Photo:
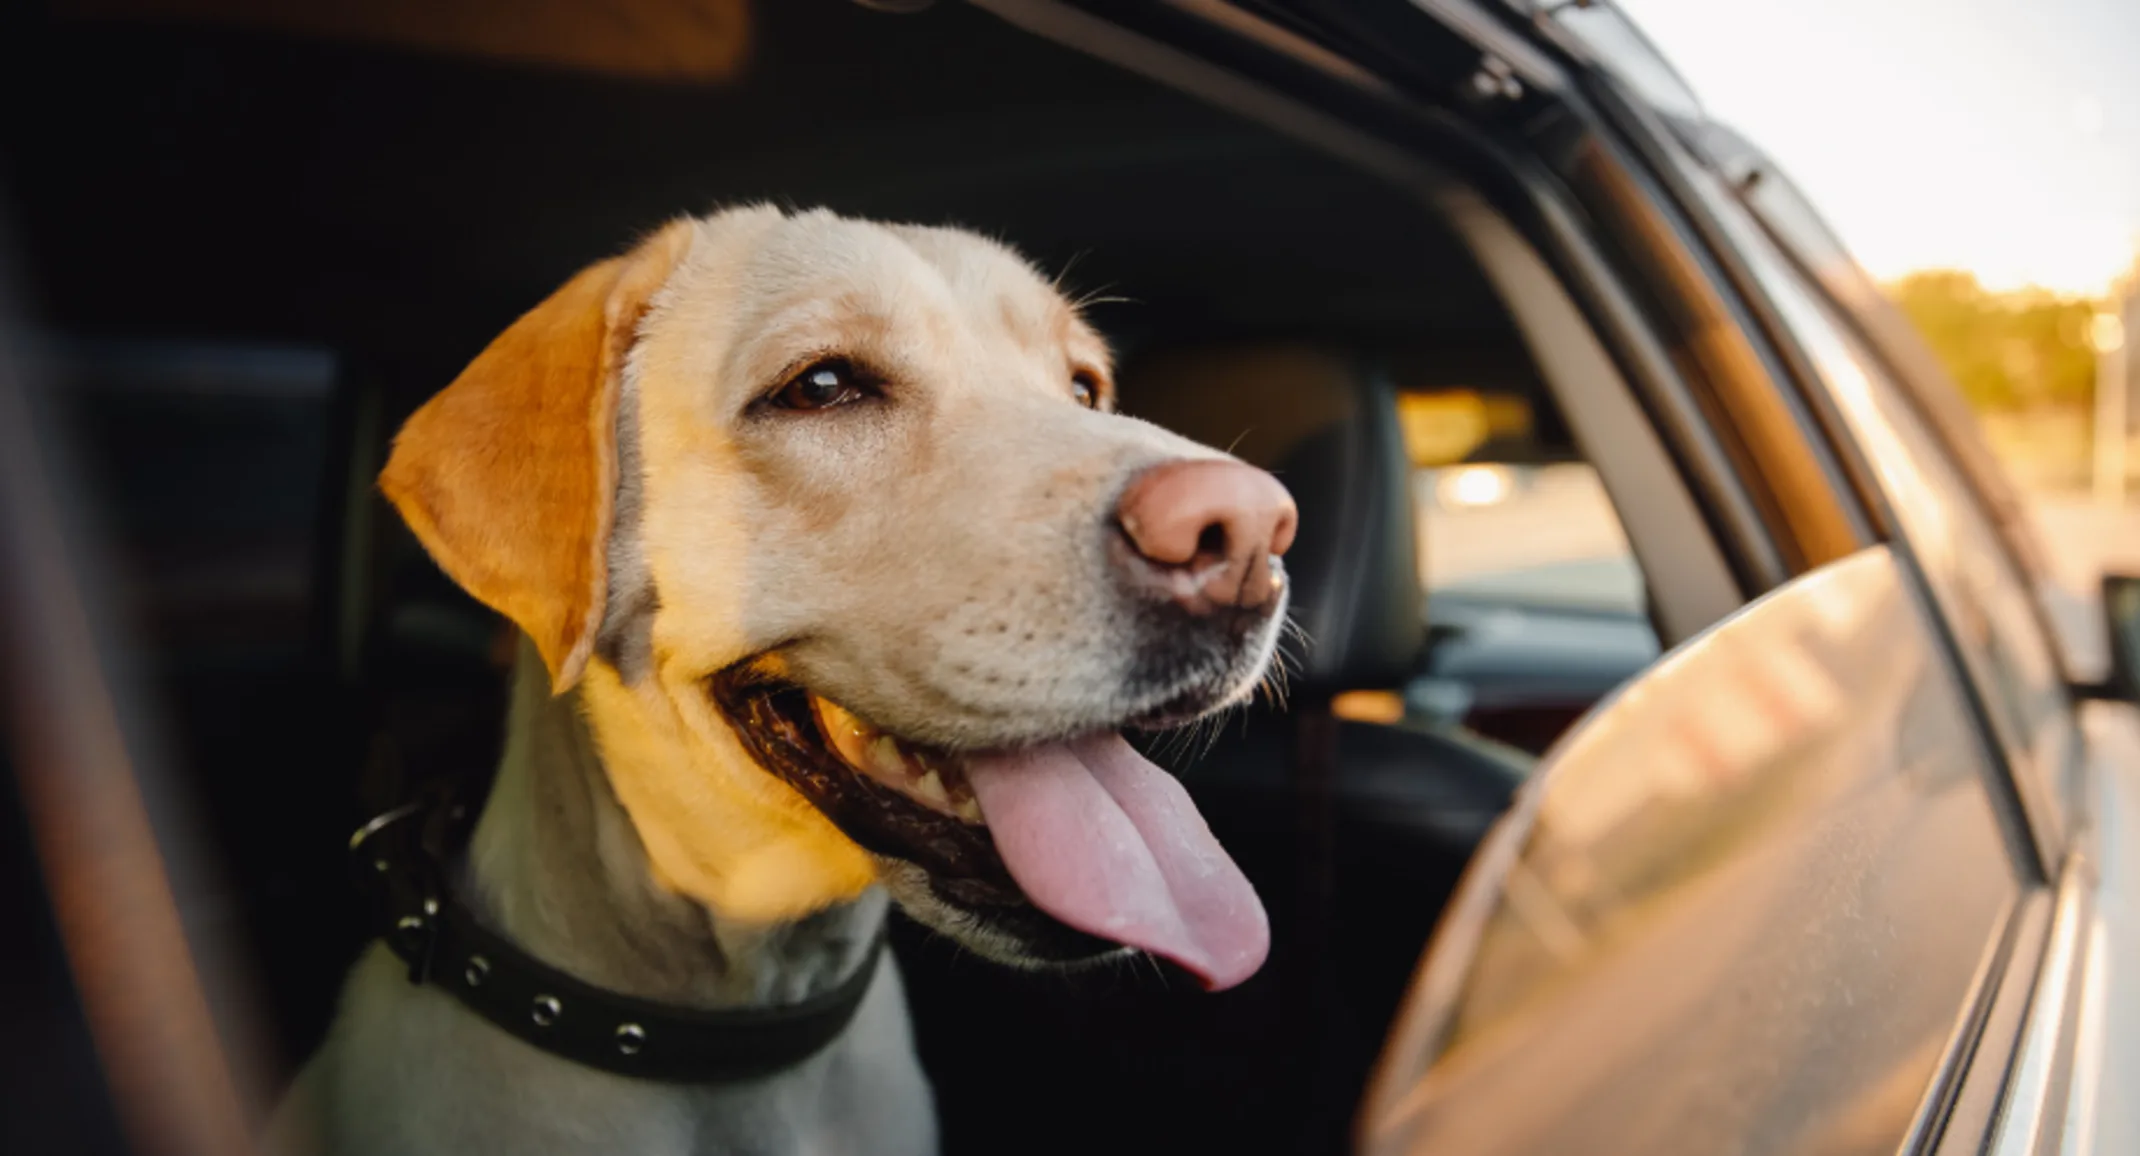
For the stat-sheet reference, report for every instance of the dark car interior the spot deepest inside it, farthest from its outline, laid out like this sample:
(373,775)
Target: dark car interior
(253,252)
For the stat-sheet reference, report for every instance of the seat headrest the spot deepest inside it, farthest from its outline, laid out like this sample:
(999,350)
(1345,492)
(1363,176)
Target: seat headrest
(1325,422)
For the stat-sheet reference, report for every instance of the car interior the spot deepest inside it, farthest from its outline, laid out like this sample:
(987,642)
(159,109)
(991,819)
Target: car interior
(255,251)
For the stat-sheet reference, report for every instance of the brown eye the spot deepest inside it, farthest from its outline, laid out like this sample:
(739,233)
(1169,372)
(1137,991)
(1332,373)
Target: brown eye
(822,386)
(1086,389)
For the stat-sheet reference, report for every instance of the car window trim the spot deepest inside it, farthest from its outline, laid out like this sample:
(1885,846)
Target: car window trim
(2044,818)
(2008,945)
(1648,490)
(2049,817)
(1672,151)
(1815,471)
(2033,1106)
(1988,494)
(1916,370)
(1645,138)
(1960,1122)
(1945,418)
(1653,135)
(2044,824)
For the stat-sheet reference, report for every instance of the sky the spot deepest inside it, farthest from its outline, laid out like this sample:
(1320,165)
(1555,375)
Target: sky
(1997,136)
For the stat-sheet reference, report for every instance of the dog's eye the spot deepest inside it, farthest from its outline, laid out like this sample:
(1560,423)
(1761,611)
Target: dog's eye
(822,386)
(1086,389)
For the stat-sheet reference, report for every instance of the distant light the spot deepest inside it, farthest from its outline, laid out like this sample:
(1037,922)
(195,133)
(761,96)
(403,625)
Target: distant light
(2106,333)
(1475,485)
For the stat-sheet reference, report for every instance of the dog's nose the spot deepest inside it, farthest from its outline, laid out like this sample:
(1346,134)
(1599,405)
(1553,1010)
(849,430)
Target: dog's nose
(1204,532)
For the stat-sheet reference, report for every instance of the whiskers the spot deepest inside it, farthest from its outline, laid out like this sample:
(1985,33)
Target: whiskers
(1099,296)
(1286,659)
(1064,274)
(1192,740)
(1189,742)
(1136,957)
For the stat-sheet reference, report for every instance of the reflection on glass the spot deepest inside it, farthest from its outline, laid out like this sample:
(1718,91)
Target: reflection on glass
(1751,903)
(1985,598)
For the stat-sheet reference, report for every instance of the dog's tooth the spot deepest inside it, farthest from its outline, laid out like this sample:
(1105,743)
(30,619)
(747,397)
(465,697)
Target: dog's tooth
(931,787)
(849,736)
(886,760)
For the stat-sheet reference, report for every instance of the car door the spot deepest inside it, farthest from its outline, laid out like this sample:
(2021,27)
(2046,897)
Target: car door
(1756,903)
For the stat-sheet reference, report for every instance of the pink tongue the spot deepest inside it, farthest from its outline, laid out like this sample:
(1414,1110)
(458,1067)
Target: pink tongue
(1106,842)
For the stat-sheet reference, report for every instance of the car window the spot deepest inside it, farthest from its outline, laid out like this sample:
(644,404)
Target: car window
(1749,898)
(1983,594)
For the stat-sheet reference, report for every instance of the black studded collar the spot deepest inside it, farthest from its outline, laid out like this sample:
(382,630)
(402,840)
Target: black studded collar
(399,855)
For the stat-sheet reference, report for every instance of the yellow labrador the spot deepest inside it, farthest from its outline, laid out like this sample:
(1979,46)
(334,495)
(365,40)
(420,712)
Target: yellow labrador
(839,579)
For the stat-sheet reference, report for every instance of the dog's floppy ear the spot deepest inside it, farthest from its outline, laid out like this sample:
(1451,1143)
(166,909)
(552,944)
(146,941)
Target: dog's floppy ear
(508,477)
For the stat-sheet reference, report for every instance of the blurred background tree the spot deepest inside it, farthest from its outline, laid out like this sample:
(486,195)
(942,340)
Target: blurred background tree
(2024,361)
(2008,352)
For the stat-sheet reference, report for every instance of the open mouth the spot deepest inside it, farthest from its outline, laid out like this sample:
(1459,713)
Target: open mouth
(926,778)
(1073,849)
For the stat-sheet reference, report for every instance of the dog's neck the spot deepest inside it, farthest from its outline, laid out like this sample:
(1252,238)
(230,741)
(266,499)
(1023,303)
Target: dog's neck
(556,865)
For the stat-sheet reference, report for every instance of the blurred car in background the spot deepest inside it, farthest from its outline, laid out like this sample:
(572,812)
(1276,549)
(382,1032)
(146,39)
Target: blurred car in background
(1681,760)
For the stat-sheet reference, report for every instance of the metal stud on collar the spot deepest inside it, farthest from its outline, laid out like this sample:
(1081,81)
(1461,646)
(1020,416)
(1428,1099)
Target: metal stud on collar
(546,1010)
(477,971)
(414,938)
(630,1038)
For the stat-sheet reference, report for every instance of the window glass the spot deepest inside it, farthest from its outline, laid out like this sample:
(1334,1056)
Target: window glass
(1743,909)
(1984,597)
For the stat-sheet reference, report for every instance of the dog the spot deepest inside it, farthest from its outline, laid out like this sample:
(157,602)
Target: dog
(838,576)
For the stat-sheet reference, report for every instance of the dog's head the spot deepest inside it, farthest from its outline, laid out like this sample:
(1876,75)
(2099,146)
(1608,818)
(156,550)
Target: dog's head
(834,529)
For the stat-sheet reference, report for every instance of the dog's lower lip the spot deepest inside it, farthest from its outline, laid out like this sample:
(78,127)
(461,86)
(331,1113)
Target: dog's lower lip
(1181,710)
(927,777)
